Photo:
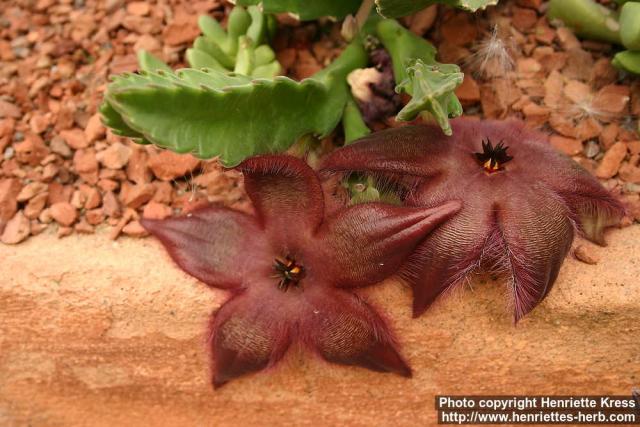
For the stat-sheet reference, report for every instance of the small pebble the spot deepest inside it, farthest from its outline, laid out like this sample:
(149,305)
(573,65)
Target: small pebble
(591,149)
(585,254)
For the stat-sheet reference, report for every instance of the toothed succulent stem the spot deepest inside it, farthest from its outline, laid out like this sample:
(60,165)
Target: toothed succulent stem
(417,73)
(587,19)
(403,45)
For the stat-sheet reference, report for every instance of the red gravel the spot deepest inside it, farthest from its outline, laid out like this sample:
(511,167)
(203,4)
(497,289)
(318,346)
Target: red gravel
(59,167)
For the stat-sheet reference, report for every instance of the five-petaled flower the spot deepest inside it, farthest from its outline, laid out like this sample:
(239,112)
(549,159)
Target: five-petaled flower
(521,199)
(291,268)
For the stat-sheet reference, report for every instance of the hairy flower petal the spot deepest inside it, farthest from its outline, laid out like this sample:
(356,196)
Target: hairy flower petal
(217,246)
(399,150)
(434,268)
(366,243)
(537,235)
(284,266)
(286,194)
(592,207)
(518,216)
(246,337)
(345,329)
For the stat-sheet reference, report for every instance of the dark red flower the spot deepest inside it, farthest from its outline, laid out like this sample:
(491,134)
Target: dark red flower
(290,269)
(521,203)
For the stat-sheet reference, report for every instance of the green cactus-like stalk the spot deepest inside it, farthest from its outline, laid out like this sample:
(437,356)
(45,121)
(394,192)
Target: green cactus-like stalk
(432,89)
(431,85)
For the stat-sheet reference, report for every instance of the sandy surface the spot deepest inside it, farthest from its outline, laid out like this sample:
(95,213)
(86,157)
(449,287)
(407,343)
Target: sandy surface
(94,332)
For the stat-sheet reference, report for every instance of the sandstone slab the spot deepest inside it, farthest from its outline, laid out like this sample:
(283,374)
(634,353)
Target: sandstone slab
(95,332)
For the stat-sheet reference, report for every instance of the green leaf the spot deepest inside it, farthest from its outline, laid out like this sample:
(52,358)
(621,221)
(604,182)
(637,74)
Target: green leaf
(630,25)
(307,10)
(432,89)
(209,46)
(431,84)
(628,61)
(398,8)
(267,71)
(148,62)
(201,59)
(237,26)
(258,27)
(210,113)
(212,29)
(245,60)
(264,55)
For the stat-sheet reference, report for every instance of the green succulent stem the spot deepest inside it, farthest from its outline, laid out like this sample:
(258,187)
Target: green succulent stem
(403,46)
(240,48)
(628,61)
(213,112)
(352,122)
(587,19)
(352,57)
(630,25)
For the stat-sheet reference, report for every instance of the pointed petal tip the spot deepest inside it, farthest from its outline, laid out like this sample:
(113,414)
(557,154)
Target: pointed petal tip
(518,315)
(441,213)
(417,311)
(405,371)
(419,305)
(149,224)
(153,226)
(523,307)
(384,357)
(217,381)
(449,207)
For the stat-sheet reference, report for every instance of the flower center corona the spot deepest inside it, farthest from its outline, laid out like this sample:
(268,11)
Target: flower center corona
(288,271)
(493,158)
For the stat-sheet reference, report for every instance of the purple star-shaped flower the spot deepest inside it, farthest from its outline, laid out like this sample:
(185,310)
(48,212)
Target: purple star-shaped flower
(291,269)
(522,201)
